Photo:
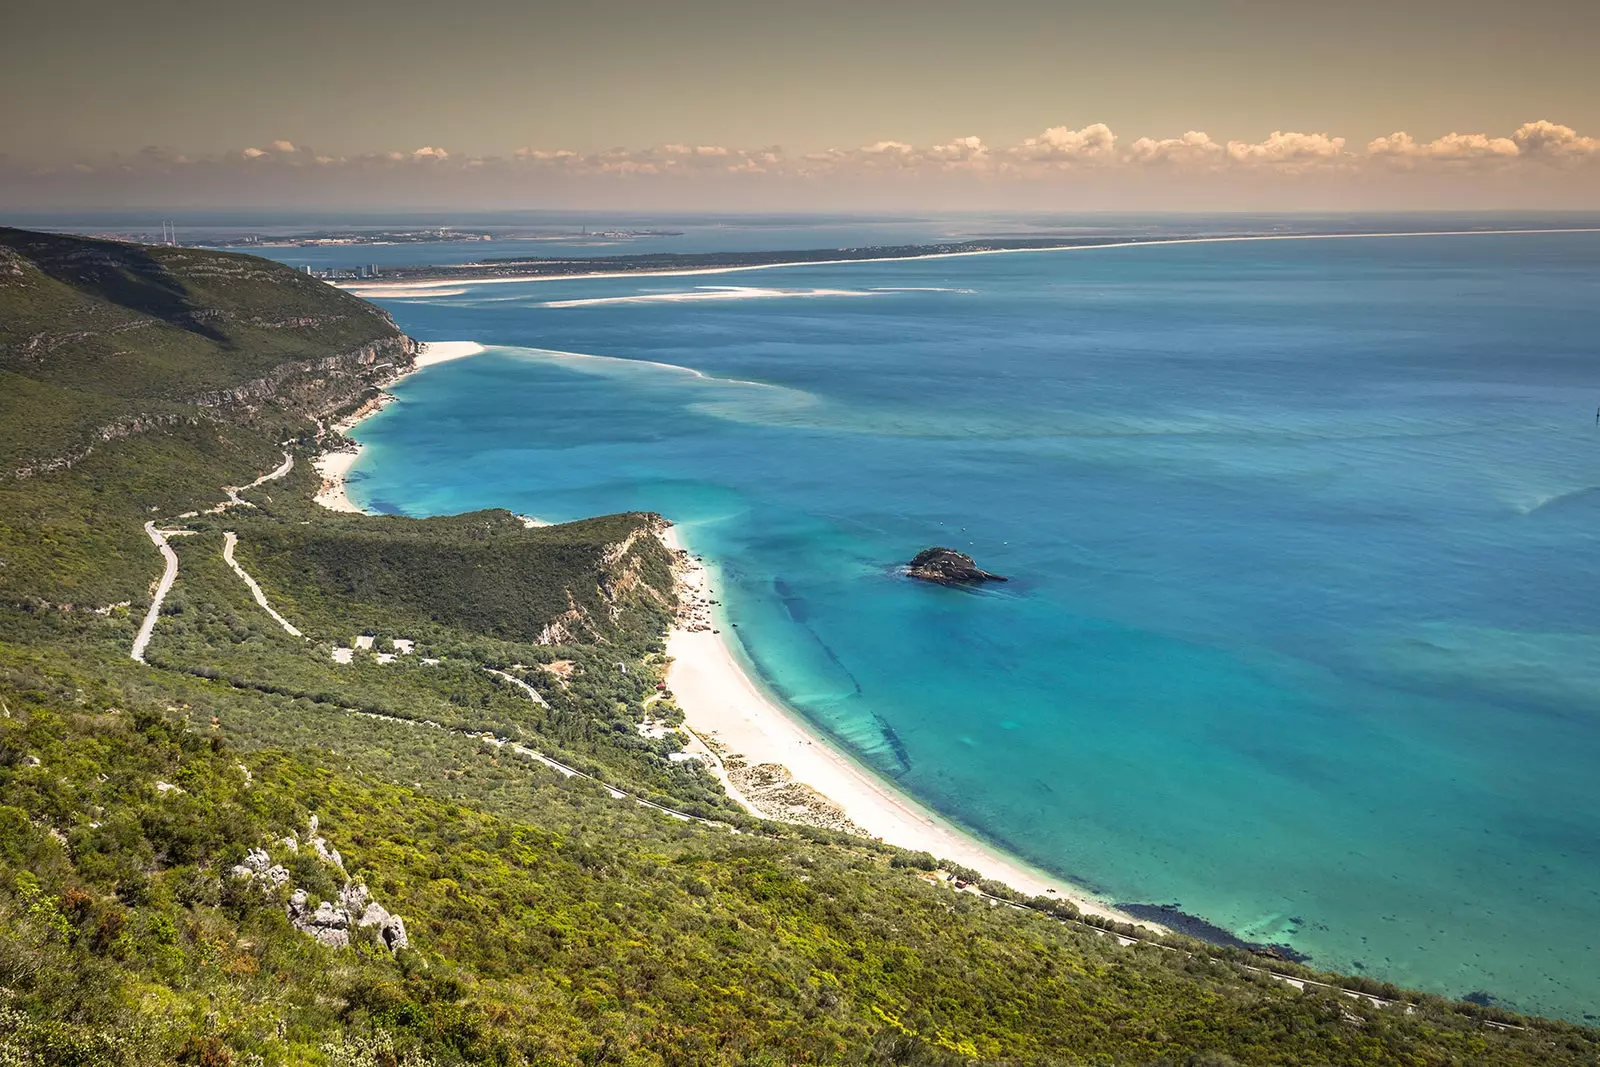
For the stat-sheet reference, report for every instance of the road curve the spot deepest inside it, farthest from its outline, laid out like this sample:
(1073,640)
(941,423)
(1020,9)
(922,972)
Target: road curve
(148,627)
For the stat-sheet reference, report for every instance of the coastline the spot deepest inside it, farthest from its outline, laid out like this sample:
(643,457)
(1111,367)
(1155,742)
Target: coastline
(429,286)
(334,465)
(725,707)
(738,728)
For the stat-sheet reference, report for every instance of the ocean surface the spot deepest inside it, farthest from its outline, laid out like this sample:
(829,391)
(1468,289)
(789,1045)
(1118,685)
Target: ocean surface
(1303,631)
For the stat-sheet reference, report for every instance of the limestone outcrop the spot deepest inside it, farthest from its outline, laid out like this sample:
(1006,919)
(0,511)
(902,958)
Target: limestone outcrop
(330,922)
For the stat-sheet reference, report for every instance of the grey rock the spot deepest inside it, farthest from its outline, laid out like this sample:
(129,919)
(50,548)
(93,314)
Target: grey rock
(327,853)
(394,934)
(391,928)
(375,915)
(353,897)
(333,938)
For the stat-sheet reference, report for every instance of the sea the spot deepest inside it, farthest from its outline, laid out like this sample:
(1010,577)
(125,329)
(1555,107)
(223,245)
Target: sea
(1302,631)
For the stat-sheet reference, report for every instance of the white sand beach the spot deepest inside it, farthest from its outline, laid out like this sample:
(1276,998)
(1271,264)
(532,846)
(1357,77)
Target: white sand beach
(334,466)
(432,352)
(724,705)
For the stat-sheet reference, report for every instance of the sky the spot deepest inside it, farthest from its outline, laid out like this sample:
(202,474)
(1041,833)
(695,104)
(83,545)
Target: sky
(698,104)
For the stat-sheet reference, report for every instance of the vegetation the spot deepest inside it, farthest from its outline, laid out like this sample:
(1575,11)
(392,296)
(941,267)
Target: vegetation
(551,920)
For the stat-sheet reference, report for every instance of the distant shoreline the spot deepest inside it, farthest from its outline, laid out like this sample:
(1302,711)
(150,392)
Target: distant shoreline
(432,278)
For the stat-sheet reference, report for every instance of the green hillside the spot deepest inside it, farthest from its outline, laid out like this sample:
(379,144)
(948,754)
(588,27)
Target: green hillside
(453,706)
(102,338)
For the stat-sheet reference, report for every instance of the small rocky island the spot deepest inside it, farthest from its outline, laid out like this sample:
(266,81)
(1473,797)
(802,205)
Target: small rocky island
(948,567)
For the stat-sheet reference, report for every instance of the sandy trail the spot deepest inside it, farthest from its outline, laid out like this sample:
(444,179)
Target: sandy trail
(148,628)
(230,540)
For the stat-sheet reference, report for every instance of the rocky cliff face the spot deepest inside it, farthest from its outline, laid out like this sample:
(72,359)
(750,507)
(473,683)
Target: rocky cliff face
(320,387)
(948,567)
(314,388)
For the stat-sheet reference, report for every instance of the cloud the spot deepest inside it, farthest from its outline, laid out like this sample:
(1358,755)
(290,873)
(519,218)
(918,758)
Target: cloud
(666,159)
(1548,140)
(1289,150)
(1512,166)
(1402,148)
(1193,147)
(1531,143)
(1056,149)
(1064,146)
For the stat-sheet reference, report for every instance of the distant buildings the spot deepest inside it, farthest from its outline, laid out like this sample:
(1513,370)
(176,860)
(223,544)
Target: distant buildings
(343,274)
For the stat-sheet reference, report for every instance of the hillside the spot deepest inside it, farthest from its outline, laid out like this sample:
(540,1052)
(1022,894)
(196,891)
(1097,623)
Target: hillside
(441,718)
(100,339)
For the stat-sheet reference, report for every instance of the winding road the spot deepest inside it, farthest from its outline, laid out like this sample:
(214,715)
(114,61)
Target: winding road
(170,575)
(147,629)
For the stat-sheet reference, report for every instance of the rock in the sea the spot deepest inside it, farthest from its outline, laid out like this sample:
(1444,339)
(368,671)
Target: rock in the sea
(948,567)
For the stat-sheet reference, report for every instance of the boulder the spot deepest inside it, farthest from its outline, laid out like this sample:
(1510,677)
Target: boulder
(391,928)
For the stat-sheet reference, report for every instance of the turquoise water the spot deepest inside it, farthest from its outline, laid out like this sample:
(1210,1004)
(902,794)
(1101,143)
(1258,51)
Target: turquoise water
(1304,631)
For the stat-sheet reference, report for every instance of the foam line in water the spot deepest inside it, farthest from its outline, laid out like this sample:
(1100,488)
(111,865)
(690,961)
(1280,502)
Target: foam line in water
(706,292)
(608,364)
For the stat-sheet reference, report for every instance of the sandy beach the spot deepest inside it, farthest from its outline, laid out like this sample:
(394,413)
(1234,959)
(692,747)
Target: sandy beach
(334,466)
(724,706)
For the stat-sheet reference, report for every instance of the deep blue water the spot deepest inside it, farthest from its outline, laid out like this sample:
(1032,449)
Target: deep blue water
(1304,631)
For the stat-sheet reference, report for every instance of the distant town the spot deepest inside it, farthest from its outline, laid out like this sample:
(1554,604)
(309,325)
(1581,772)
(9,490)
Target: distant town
(325,239)
(343,274)
(353,237)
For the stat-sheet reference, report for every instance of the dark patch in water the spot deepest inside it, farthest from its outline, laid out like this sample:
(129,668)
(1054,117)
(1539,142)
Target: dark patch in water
(794,605)
(1193,926)
(1480,998)
(383,507)
(896,745)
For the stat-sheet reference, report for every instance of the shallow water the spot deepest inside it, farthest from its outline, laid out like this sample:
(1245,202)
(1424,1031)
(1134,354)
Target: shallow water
(1304,626)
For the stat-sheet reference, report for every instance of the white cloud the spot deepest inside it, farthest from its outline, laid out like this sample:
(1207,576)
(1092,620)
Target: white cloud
(1192,147)
(1053,155)
(1451,148)
(1290,150)
(961,152)
(1549,140)
(1062,145)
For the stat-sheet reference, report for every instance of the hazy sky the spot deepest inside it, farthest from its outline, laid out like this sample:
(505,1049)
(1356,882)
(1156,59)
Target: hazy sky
(1183,103)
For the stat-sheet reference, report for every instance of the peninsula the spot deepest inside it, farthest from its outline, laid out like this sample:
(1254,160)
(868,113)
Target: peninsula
(688,262)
